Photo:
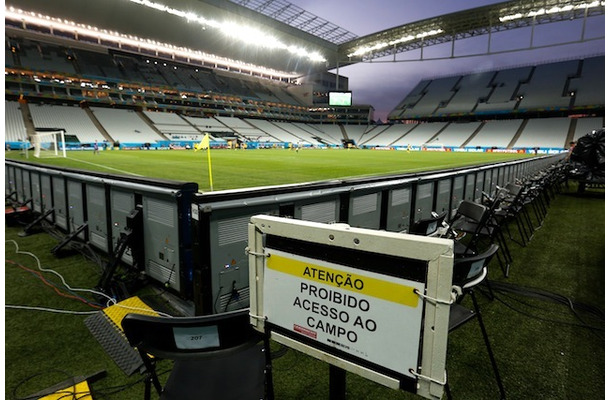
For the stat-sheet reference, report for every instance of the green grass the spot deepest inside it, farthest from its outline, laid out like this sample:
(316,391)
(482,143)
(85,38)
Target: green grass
(544,350)
(233,169)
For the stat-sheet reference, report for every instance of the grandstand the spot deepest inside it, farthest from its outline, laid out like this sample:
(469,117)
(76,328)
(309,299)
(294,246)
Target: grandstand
(53,70)
(471,106)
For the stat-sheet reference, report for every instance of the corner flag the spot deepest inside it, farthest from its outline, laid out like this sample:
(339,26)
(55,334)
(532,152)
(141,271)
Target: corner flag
(204,144)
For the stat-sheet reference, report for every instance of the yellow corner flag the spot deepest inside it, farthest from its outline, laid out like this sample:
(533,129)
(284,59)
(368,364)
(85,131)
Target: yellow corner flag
(204,144)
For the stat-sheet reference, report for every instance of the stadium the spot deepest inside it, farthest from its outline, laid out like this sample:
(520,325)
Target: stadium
(178,161)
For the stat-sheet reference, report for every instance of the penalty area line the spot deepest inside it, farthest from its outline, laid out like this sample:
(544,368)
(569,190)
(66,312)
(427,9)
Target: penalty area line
(104,166)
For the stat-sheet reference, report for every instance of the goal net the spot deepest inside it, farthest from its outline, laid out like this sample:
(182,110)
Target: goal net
(49,144)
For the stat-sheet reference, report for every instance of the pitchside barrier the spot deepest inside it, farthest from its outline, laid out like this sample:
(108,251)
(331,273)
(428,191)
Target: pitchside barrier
(149,217)
(193,243)
(370,302)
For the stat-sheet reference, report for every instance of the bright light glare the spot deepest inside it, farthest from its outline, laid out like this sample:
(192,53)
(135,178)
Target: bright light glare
(243,33)
(122,39)
(553,10)
(368,49)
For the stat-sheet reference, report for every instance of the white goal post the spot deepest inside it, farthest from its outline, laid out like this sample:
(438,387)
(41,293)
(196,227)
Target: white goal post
(49,143)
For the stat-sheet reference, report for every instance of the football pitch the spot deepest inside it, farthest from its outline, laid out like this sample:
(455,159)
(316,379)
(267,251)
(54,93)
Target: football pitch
(233,169)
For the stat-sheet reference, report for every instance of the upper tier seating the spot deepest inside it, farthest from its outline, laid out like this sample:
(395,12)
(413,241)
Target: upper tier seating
(545,89)
(559,86)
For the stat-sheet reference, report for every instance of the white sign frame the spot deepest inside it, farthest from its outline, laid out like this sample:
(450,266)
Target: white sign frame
(285,285)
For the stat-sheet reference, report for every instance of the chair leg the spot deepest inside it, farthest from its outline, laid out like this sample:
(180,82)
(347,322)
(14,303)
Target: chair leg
(490,293)
(147,384)
(522,230)
(152,376)
(488,345)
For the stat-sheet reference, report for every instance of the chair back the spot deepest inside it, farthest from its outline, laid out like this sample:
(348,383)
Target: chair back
(470,271)
(428,226)
(215,356)
(189,337)
(472,211)
(513,189)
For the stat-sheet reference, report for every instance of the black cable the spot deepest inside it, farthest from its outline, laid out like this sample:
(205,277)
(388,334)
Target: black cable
(593,329)
(110,390)
(29,378)
(549,296)
(573,312)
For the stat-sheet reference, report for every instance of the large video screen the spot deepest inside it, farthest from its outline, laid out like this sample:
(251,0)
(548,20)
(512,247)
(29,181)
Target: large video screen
(341,99)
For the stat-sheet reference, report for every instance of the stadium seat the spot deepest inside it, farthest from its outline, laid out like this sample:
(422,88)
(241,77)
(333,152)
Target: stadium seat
(216,356)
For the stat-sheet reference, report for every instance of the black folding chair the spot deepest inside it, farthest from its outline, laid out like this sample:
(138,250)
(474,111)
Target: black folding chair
(468,273)
(218,357)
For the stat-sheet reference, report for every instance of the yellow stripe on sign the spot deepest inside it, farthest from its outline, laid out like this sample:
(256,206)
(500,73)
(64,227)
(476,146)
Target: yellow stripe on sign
(366,285)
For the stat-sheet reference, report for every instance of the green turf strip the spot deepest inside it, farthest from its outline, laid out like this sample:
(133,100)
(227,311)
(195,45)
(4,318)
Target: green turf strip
(233,169)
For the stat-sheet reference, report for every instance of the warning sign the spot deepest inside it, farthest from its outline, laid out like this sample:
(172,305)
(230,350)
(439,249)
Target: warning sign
(368,315)
(373,303)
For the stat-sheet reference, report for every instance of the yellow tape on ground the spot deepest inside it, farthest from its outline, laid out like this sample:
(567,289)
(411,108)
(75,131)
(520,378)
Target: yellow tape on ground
(79,391)
(389,291)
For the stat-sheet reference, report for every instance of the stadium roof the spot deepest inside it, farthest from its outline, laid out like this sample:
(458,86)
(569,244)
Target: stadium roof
(282,36)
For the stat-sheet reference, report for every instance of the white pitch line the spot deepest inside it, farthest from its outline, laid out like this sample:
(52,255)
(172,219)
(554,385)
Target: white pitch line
(103,166)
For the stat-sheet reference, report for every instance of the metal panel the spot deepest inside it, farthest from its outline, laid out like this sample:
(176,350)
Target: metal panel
(443,196)
(479,186)
(122,203)
(19,185)
(76,206)
(325,211)
(9,183)
(161,240)
(457,192)
(423,201)
(399,210)
(502,176)
(59,202)
(27,186)
(470,183)
(488,182)
(96,216)
(36,192)
(365,210)
(229,272)
(47,194)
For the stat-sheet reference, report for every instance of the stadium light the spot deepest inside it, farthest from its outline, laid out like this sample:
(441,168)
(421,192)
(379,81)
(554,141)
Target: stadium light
(367,49)
(122,39)
(248,35)
(553,10)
